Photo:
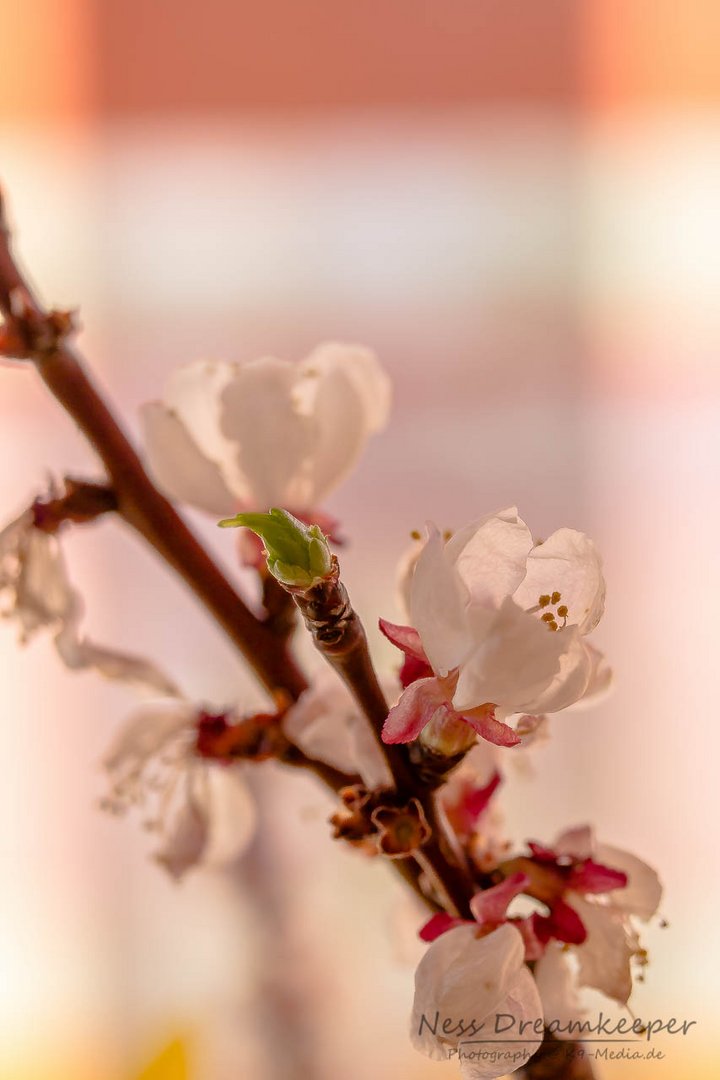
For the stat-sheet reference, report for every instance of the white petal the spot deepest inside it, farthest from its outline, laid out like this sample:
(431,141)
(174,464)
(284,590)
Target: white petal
(78,653)
(605,956)
(643,892)
(326,724)
(37,576)
(185,835)
(516,659)
(491,555)
(193,394)
(464,978)
(404,575)
(179,466)
(437,606)
(578,843)
(273,441)
(361,366)
(557,985)
(341,431)
(571,681)
(146,731)
(567,562)
(599,682)
(231,814)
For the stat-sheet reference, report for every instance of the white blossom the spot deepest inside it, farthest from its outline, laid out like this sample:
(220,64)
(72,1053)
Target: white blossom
(200,810)
(467,976)
(265,433)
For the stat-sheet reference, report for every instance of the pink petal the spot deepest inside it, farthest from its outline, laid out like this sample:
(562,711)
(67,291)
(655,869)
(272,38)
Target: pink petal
(478,799)
(404,638)
(438,925)
(534,945)
(594,877)
(416,708)
(490,905)
(542,854)
(490,729)
(563,923)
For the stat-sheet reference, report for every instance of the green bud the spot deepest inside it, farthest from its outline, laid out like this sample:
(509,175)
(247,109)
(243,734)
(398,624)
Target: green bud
(297,554)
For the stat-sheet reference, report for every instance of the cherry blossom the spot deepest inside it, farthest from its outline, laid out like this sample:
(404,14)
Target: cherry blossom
(37,594)
(267,432)
(498,630)
(604,959)
(465,980)
(161,763)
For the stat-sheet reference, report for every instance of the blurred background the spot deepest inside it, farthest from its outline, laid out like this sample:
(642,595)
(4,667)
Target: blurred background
(516,204)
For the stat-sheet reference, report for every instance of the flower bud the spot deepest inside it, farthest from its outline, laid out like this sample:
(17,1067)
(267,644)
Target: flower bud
(297,554)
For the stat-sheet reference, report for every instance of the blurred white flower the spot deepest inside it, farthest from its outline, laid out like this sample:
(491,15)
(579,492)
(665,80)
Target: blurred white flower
(465,980)
(268,432)
(327,725)
(37,594)
(499,623)
(199,808)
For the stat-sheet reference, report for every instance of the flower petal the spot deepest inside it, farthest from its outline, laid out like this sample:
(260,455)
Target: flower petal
(515,661)
(327,725)
(571,681)
(557,985)
(567,562)
(347,394)
(179,466)
(404,638)
(273,441)
(79,653)
(439,924)
(145,732)
(490,556)
(184,837)
(463,977)
(605,955)
(437,607)
(490,905)
(417,706)
(494,731)
(370,381)
(643,892)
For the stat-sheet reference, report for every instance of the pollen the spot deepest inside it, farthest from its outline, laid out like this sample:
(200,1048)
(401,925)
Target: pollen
(544,600)
(555,598)
(563,611)
(415,535)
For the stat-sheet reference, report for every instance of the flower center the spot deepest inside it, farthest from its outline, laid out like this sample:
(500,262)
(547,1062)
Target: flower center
(550,617)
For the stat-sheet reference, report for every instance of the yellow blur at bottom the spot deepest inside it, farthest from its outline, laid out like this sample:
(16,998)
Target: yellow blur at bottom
(171,1064)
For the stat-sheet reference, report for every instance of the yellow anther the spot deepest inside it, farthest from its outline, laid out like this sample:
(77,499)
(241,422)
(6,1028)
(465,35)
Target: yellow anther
(544,600)
(415,535)
(447,534)
(548,617)
(563,611)
(555,598)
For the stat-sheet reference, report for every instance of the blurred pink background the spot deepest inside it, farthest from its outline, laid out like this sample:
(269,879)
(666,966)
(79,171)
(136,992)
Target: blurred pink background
(516,204)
